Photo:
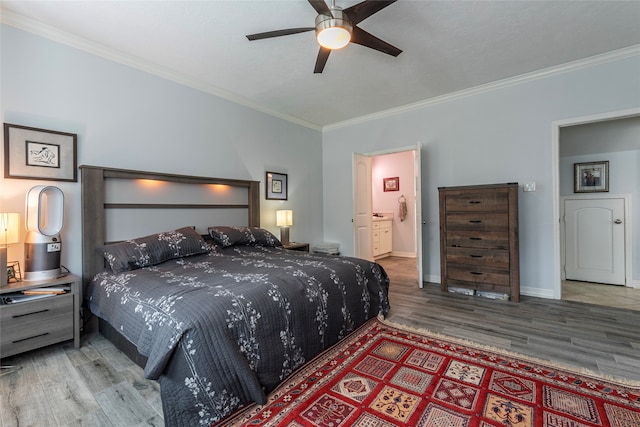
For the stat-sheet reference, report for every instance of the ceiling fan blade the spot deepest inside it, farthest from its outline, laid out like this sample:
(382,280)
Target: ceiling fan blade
(361,11)
(278,33)
(321,7)
(363,38)
(321,60)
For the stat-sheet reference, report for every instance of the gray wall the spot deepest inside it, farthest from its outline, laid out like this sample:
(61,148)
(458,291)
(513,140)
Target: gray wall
(129,119)
(500,135)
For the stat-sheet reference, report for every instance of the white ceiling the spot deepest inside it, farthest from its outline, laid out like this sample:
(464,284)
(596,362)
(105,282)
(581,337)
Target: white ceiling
(448,46)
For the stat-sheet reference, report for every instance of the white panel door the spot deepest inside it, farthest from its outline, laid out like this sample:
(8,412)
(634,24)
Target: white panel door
(362,206)
(594,240)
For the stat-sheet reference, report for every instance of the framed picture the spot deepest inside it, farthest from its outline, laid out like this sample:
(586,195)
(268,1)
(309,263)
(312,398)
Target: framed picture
(391,184)
(31,153)
(276,186)
(13,272)
(591,177)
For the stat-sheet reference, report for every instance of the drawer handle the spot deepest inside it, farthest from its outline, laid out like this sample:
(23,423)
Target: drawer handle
(29,314)
(475,256)
(30,338)
(474,202)
(475,238)
(475,221)
(476,273)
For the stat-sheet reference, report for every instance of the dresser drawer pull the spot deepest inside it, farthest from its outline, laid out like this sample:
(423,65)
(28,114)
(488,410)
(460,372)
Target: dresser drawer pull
(474,202)
(475,238)
(30,338)
(475,256)
(29,314)
(475,221)
(476,273)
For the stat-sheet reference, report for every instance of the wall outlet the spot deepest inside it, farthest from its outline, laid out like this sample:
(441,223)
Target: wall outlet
(529,186)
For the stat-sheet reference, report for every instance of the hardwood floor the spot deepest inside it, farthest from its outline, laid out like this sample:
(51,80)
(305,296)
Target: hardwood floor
(605,340)
(98,386)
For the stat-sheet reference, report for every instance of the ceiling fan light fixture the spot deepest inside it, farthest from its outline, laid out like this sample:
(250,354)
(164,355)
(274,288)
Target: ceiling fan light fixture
(333,32)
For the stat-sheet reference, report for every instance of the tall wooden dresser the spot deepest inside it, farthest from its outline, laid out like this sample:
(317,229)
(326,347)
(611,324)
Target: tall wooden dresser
(479,238)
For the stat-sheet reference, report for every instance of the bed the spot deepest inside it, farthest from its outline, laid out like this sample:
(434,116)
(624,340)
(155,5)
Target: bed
(211,305)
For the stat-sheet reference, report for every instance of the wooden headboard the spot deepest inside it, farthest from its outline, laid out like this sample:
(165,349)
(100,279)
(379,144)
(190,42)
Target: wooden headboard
(113,199)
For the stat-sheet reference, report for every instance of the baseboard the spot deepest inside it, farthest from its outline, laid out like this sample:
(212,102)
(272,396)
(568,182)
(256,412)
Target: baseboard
(430,278)
(403,254)
(635,284)
(536,292)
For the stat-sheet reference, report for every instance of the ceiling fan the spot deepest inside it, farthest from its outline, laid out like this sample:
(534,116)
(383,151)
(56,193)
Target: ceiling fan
(335,28)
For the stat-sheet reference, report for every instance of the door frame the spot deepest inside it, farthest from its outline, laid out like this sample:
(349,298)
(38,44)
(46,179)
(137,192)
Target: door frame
(417,172)
(628,271)
(555,180)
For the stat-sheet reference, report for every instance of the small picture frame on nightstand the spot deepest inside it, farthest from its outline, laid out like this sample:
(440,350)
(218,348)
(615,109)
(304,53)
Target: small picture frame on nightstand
(13,272)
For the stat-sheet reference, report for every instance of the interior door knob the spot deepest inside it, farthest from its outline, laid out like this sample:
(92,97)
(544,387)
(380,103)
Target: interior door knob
(617,221)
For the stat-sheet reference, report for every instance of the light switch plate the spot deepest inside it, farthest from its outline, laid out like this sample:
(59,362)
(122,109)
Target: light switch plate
(529,186)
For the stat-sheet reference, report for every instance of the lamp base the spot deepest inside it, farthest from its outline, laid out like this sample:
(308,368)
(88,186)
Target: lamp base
(3,266)
(284,235)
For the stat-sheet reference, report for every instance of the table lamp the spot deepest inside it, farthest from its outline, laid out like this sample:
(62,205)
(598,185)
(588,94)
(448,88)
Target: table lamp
(284,220)
(9,234)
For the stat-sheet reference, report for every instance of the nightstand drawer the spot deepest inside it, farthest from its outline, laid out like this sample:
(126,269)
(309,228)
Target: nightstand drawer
(19,314)
(35,335)
(35,323)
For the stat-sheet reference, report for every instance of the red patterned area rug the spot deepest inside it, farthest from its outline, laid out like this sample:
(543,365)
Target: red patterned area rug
(390,375)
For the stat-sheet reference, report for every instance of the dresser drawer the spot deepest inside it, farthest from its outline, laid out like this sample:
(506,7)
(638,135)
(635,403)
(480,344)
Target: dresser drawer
(478,274)
(493,258)
(478,239)
(478,202)
(478,222)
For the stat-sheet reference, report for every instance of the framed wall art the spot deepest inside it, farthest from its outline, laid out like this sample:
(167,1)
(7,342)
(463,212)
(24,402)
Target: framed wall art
(32,153)
(591,177)
(277,186)
(391,184)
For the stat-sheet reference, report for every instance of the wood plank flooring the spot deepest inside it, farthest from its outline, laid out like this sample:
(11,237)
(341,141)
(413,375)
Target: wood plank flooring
(605,340)
(98,386)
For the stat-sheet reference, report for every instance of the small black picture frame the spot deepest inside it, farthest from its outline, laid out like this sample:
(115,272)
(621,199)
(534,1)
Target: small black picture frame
(32,153)
(277,187)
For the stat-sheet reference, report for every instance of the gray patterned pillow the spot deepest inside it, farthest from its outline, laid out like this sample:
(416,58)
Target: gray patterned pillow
(253,236)
(153,249)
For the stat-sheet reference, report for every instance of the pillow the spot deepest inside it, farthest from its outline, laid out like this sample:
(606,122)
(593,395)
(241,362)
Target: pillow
(153,249)
(229,236)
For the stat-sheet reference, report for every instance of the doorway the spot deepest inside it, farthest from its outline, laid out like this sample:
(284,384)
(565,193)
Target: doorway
(375,201)
(585,139)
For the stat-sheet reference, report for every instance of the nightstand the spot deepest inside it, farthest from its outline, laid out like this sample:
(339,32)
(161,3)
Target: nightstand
(27,325)
(293,246)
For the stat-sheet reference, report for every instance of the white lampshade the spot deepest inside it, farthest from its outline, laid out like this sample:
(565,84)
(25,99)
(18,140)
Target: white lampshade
(284,218)
(9,228)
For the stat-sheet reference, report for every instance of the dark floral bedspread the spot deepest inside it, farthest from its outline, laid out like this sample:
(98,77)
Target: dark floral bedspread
(224,328)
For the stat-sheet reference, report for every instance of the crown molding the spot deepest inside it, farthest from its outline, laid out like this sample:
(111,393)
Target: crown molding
(591,61)
(38,28)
